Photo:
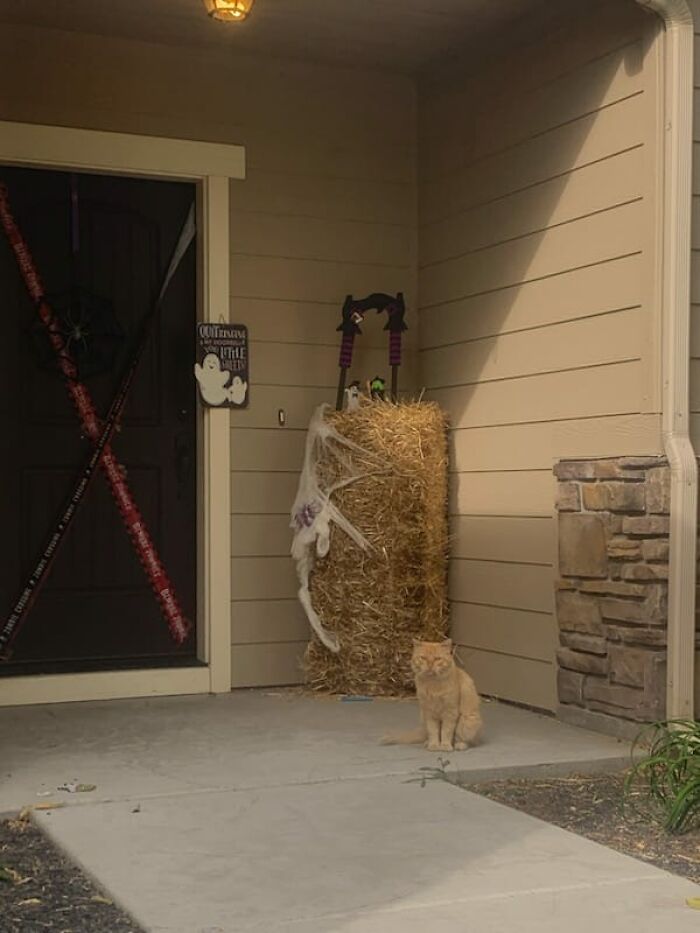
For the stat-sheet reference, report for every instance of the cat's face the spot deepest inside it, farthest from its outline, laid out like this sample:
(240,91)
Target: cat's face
(432,659)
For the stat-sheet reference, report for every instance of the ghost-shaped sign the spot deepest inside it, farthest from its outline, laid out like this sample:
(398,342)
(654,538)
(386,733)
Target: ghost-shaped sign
(221,369)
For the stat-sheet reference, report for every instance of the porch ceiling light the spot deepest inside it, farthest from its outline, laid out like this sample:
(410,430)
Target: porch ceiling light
(229,11)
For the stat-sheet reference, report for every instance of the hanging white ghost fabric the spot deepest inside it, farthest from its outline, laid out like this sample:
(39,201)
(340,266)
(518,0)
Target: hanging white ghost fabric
(313,511)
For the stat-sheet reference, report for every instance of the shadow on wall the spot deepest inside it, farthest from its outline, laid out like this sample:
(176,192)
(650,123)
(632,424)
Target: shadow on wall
(531,290)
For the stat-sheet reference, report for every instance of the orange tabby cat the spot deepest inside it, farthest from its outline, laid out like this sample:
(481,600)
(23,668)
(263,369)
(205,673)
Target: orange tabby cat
(449,703)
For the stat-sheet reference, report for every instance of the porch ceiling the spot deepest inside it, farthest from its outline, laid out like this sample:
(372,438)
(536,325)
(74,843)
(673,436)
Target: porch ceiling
(406,36)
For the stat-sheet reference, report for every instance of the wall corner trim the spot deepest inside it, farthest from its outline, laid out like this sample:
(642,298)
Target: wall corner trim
(677,187)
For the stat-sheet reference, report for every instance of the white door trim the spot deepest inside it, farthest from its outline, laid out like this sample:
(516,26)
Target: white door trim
(210,165)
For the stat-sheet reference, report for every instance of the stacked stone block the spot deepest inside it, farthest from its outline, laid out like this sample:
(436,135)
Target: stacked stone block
(612,591)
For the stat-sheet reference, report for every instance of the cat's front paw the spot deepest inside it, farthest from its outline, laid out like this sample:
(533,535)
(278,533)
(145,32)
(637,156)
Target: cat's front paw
(461,746)
(439,747)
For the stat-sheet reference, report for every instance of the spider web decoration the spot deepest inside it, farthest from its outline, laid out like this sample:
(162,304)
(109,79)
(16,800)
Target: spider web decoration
(92,334)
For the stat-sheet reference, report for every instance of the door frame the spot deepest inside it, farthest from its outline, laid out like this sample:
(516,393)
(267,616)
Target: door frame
(210,166)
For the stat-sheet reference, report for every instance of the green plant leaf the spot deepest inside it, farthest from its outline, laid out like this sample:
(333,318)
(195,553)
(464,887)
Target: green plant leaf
(665,778)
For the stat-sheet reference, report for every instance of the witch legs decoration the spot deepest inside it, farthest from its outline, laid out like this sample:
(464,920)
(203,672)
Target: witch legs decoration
(354,310)
(349,327)
(396,326)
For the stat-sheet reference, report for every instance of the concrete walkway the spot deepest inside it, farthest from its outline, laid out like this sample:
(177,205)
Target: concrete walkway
(280,813)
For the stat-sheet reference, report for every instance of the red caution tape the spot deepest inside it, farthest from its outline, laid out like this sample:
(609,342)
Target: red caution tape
(135,525)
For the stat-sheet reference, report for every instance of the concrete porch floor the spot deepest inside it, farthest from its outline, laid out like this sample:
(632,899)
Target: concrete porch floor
(273,812)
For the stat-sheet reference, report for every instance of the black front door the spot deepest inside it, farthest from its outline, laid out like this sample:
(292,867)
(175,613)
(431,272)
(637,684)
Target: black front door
(101,245)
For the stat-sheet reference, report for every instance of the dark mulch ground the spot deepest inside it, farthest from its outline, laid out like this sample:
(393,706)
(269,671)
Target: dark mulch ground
(41,890)
(592,806)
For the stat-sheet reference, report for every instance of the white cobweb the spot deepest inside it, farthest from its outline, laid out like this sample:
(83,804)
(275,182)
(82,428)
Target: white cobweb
(313,511)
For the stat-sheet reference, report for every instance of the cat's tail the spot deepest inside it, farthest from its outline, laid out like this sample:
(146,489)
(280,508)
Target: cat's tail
(415,737)
(470,728)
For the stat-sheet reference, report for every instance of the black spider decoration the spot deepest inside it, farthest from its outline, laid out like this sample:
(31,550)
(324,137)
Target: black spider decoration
(91,332)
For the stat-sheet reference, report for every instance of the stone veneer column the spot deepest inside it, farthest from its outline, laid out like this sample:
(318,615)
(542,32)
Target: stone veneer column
(612,591)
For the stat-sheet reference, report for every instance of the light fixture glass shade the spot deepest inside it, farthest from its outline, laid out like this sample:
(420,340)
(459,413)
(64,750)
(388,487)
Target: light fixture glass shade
(229,11)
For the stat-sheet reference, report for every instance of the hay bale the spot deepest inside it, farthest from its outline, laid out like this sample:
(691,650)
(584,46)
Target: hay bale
(378,601)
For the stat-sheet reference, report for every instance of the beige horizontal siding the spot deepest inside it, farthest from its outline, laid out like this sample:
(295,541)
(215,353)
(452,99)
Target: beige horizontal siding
(695,290)
(611,285)
(308,156)
(268,621)
(283,278)
(535,161)
(695,385)
(263,578)
(297,402)
(263,493)
(586,35)
(592,341)
(267,664)
(511,677)
(695,370)
(502,584)
(534,243)
(507,493)
(696,149)
(324,197)
(488,628)
(536,445)
(583,393)
(268,449)
(592,86)
(628,436)
(512,539)
(593,239)
(260,535)
(614,180)
(297,236)
(598,84)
